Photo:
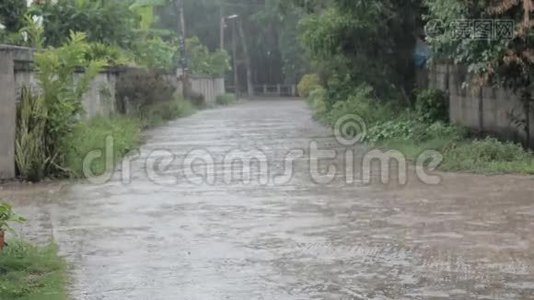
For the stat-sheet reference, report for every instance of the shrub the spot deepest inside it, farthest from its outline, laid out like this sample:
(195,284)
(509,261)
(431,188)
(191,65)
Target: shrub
(91,135)
(432,105)
(359,103)
(62,93)
(30,156)
(409,130)
(307,84)
(138,89)
(226,99)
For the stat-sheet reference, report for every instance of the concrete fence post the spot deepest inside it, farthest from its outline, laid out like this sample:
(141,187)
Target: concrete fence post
(8,119)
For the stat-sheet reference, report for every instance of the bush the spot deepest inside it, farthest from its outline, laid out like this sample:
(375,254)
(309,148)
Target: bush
(29,272)
(226,99)
(138,89)
(360,103)
(307,84)
(91,135)
(410,130)
(432,106)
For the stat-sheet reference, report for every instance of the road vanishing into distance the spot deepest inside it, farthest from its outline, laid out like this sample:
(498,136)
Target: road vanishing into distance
(226,204)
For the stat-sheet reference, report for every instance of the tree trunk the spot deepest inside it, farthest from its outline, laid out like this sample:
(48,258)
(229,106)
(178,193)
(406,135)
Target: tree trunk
(250,87)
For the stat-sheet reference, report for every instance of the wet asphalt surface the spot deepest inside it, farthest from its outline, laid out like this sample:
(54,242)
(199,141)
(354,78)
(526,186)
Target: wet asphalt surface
(165,234)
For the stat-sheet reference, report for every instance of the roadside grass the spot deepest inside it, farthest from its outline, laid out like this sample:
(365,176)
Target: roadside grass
(31,273)
(92,136)
(412,132)
(125,133)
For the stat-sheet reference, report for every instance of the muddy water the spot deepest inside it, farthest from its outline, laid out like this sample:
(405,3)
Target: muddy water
(163,234)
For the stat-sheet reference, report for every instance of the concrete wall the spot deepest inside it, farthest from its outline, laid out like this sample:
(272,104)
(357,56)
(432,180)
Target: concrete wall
(7,117)
(209,87)
(16,71)
(98,101)
(485,110)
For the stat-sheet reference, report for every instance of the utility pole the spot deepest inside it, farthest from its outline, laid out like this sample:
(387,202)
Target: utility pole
(236,63)
(222,24)
(250,87)
(180,23)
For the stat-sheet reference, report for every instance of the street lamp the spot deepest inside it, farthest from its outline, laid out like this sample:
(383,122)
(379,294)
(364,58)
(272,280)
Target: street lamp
(223,25)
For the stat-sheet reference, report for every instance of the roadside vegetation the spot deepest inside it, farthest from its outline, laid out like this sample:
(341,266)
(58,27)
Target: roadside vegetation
(424,127)
(53,133)
(29,272)
(26,271)
(362,63)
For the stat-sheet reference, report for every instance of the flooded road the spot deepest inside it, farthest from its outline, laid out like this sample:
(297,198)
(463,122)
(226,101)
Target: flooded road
(166,229)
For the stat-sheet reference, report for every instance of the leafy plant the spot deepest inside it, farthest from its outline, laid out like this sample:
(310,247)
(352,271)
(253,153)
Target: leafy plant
(30,155)
(432,105)
(62,91)
(8,216)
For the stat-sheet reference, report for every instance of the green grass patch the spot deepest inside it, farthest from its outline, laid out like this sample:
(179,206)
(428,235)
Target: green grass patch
(31,273)
(488,156)
(92,136)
